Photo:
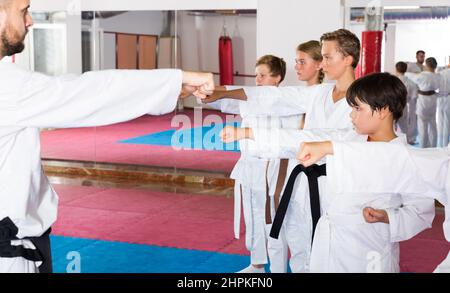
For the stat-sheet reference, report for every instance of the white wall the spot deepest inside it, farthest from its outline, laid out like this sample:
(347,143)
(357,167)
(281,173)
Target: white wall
(282,25)
(390,41)
(432,36)
(357,28)
(73,38)
(136,22)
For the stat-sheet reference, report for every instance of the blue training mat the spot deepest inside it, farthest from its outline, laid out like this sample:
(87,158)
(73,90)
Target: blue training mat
(98,256)
(197,138)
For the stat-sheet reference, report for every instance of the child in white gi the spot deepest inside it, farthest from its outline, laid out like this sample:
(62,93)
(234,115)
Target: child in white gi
(400,169)
(250,177)
(343,241)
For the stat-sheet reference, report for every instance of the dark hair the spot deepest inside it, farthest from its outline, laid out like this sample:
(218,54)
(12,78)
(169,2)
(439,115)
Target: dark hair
(277,65)
(379,90)
(348,43)
(431,62)
(401,67)
(420,51)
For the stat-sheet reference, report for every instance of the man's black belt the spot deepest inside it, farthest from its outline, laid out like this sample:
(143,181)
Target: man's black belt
(42,253)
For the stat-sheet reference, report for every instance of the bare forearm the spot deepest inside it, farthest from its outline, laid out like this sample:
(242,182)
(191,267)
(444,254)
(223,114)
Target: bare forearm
(231,134)
(244,133)
(238,94)
(222,93)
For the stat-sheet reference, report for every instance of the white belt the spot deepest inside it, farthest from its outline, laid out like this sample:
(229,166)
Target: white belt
(320,254)
(237,209)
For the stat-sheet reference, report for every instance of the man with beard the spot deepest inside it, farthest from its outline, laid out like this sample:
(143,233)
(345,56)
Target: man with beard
(29,101)
(417,67)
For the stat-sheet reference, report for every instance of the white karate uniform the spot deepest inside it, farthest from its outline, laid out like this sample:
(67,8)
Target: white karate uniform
(29,101)
(414,67)
(278,248)
(408,121)
(347,214)
(322,112)
(426,107)
(249,174)
(416,172)
(443,109)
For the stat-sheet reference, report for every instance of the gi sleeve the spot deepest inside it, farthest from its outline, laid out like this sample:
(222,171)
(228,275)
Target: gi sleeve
(277,101)
(229,106)
(415,215)
(414,77)
(388,168)
(92,99)
(285,143)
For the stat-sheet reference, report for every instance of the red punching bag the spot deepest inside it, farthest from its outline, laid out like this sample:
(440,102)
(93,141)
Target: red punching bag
(225,59)
(371,52)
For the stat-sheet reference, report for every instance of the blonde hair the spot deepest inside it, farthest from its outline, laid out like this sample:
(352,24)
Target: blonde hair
(277,65)
(313,49)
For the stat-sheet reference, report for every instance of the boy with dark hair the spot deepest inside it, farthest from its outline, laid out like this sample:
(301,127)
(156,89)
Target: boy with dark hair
(401,67)
(344,241)
(416,172)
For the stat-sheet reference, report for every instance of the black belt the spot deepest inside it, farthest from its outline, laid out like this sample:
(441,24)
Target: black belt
(426,93)
(42,253)
(312,172)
